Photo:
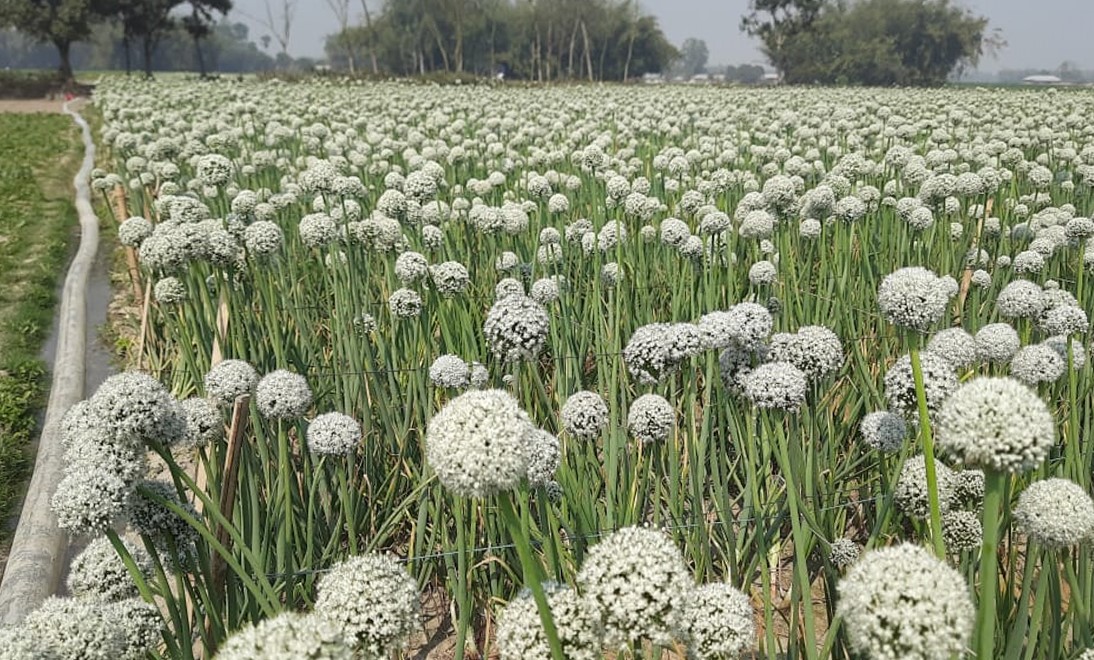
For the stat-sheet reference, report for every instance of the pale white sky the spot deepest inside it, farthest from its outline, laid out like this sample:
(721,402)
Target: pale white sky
(1040,34)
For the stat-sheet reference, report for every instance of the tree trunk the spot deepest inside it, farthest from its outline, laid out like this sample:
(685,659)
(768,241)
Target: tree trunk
(201,58)
(573,43)
(64,49)
(127,48)
(371,35)
(630,52)
(588,51)
(148,46)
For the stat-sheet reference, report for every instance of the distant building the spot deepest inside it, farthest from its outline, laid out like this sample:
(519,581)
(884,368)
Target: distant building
(1042,79)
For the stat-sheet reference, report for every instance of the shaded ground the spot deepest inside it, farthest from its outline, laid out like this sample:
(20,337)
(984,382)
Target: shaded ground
(31,105)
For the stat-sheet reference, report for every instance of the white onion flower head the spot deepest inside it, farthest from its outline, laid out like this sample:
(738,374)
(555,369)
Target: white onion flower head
(520,631)
(775,385)
(163,526)
(263,239)
(516,328)
(333,434)
(884,431)
(99,572)
(449,371)
(814,349)
(17,644)
(939,381)
(843,552)
(954,345)
(169,291)
(911,494)
(913,298)
(476,443)
(450,278)
(962,530)
(1057,513)
(1037,363)
(902,603)
(135,407)
(1020,299)
(543,457)
(1064,320)
(651,418)
(373,600)
(282,394)
(1058,343)
(287,636)
(763,272)
(749,324)
(89,501)
(638,584)
(584,415)
(89,629)
(204,425)
(133,231)
(719,622)
(997,343)
(996,424)
(229,380)
(405,303)
(410,267)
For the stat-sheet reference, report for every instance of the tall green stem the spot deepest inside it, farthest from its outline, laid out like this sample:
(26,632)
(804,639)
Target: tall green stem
(995,486)
(928,456)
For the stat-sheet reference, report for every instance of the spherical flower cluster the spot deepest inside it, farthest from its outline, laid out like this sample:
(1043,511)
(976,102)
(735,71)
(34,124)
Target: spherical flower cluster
(477,445)
(373,600)
(169,291)
(814,349)
(884,431)
(1037,363)
(317,230)
(1020,299)
(996,424)
(637,583)
(99,572)
(1056,513)
(545,290)
(961,530)
(262,239)
(747,325)
(1064,320)
(843,552)
(404,303)
(333,434)
(283,394)
(167,530)
(939,381)
(656,350)
(651,418)
(911,494)
(133,231)
(229,380)
(763,272)
(913,298)
(997,342)
(450,278)
(92,629)
(902,602)
(516,328)
(584,415)
(135,407)
(718,622)
(543,457)
(449,371)
(288,636)
(520,628)
(411,267)
(954,345)
(775,385)
(204,424)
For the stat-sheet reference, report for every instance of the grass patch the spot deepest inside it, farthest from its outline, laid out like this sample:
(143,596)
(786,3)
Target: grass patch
(36,221)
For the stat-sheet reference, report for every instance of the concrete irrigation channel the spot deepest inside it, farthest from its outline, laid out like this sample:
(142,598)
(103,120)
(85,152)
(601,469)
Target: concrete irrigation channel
(40,549)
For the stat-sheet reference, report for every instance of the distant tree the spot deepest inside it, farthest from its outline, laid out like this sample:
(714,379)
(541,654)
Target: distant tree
(59,22)
(693,56)
(870,42)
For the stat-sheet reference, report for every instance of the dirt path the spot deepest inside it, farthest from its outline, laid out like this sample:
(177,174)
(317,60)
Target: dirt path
(32,105)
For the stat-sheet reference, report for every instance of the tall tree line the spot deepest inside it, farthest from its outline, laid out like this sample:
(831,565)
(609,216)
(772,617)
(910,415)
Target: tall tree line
(541,40)
(869,42)
(143,23)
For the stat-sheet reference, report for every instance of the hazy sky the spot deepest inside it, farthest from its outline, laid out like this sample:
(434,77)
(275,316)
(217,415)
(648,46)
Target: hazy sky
(1039,33)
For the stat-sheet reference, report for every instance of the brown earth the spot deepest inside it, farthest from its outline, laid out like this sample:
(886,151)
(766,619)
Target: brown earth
(33,105)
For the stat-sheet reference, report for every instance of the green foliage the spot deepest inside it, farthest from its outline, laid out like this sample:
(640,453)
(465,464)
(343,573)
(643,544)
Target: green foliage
(693,57)
(59,22)
(35,217)
(870,42)
(541,40)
